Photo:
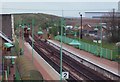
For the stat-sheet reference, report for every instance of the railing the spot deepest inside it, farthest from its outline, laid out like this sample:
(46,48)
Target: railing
(94,49)
(5,37)
(104,71)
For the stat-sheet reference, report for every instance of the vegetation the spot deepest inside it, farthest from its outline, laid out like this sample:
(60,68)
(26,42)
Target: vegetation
(104,44)
(112,21)
(47,22)
(53,24)
(42,21)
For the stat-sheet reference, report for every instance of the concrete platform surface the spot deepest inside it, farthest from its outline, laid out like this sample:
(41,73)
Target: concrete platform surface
(46,70)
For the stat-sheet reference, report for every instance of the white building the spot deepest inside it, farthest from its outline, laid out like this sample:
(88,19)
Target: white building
(95,14)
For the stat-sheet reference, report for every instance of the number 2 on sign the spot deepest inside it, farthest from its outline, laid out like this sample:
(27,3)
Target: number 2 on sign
(65,75)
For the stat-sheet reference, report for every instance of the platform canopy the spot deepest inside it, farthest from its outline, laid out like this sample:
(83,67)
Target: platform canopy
(39,32)
(75,43)
(8,45)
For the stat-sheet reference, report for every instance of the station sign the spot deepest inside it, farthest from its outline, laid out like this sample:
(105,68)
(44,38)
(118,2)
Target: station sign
(65,75)
(10,57)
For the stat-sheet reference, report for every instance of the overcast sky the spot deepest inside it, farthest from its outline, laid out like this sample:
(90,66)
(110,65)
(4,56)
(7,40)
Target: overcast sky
(70,9)
(59,0)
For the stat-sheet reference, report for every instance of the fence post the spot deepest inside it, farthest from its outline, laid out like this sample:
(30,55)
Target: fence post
(101,52)
(106,54)
(89,47)
(7,71)
(111,54)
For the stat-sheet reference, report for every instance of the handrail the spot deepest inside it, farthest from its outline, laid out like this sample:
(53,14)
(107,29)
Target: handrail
(5,37)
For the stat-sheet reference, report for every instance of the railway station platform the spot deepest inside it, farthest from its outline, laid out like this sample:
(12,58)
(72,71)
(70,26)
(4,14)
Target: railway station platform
(42,66)
(111,66)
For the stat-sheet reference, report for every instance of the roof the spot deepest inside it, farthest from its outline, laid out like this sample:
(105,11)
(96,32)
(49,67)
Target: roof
(5,37)
(74,42)
(28,28)
(97,12)
(39,32)
(8,45)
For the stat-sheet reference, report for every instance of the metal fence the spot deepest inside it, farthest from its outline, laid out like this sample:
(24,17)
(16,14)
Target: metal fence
(94,49)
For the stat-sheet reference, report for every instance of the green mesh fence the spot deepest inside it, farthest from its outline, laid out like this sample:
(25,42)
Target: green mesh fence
(116,55)
(94,49)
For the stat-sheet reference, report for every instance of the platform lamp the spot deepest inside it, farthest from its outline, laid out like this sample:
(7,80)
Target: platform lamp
(81,26)
(23,37)
(101,38)
(65,30)
(61,48)
(33,22)
(19,29)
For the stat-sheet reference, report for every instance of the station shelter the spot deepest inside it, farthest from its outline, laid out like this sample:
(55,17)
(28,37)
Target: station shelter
(40,34)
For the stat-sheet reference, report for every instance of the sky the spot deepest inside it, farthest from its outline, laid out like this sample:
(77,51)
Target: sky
(67,8)
(59,0)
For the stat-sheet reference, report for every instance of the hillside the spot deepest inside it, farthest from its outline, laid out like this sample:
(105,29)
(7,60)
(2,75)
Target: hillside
(40,20)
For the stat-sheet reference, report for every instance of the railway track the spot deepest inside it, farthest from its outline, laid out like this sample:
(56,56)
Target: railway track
(77,71)
(55,59)
(54,62)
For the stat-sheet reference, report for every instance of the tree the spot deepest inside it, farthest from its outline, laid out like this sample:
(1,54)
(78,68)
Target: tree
(112,21)
(53,31)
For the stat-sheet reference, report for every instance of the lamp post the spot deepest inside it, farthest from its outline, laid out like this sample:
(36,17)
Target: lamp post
(23,37)
(101,39)
(61,48)
(81,26)
(65,29)
(33,21)
(20,26)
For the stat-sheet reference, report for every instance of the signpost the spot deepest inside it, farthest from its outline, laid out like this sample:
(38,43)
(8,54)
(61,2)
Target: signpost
(61,48)
(32,37)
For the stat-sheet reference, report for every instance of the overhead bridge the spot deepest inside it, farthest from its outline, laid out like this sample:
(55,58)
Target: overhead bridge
(5,37)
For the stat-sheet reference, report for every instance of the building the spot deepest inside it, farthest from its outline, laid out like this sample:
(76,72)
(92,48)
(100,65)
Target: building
(95,14)
(6,28)
(6,24)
